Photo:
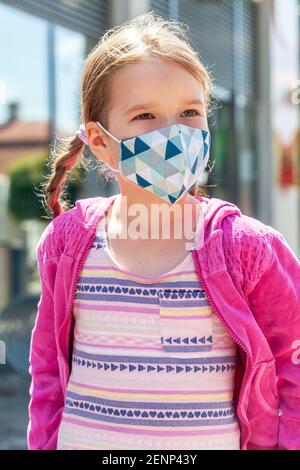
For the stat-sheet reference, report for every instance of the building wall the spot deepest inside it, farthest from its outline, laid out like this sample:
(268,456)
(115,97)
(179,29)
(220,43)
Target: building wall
(284,51)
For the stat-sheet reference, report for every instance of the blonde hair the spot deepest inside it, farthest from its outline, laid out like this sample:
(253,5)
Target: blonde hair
(145,36)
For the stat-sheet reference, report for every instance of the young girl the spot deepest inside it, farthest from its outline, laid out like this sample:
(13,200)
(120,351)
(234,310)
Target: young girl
(159,341)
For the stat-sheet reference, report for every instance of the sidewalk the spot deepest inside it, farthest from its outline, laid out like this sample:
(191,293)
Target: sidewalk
(14,399)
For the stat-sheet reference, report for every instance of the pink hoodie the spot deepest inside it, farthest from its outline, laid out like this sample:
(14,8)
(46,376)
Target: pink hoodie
(252,280)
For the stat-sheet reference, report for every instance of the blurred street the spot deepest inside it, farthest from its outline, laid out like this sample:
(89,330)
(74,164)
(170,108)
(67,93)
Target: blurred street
(14,398)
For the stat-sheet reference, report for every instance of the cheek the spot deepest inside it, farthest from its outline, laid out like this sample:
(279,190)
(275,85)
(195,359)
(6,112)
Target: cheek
(201,122)
(114,150)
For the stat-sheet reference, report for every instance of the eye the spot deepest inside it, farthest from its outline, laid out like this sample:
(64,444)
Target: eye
(193,110)
(144,114)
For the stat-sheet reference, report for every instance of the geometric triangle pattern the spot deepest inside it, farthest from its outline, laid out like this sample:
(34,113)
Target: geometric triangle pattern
(166,161)
(153,369)
(186,344)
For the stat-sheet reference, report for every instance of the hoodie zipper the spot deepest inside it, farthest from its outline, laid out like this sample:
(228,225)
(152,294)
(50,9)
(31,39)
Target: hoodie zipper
(74,288)
(216,311)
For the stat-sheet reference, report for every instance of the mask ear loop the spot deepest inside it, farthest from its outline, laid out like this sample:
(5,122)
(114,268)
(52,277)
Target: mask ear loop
(199,235)
(113,137)
(105,130)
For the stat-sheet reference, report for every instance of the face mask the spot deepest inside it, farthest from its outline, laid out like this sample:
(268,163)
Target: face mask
(166,161)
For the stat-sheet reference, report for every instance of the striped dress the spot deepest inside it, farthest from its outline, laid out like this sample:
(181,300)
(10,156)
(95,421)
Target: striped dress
(152,366)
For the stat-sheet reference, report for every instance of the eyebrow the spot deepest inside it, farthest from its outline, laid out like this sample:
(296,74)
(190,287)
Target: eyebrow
(150,105)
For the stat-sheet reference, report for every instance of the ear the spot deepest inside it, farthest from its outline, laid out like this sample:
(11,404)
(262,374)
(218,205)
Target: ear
(98,142)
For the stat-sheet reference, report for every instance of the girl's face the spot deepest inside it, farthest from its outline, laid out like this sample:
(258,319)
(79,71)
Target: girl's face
(146,96)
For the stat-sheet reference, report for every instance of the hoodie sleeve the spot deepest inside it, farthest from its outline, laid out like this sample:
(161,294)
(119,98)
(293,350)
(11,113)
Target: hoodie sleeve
(275,303)
(46,397)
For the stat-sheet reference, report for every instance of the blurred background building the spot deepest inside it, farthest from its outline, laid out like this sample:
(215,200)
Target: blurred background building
(250,47)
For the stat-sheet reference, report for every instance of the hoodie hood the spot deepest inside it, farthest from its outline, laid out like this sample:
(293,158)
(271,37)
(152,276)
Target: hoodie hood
(215,211)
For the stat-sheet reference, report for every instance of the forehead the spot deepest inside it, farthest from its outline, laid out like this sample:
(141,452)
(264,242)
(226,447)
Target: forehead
(152,78)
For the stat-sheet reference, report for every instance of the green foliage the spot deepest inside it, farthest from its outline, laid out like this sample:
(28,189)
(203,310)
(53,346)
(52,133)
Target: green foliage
(26,176)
